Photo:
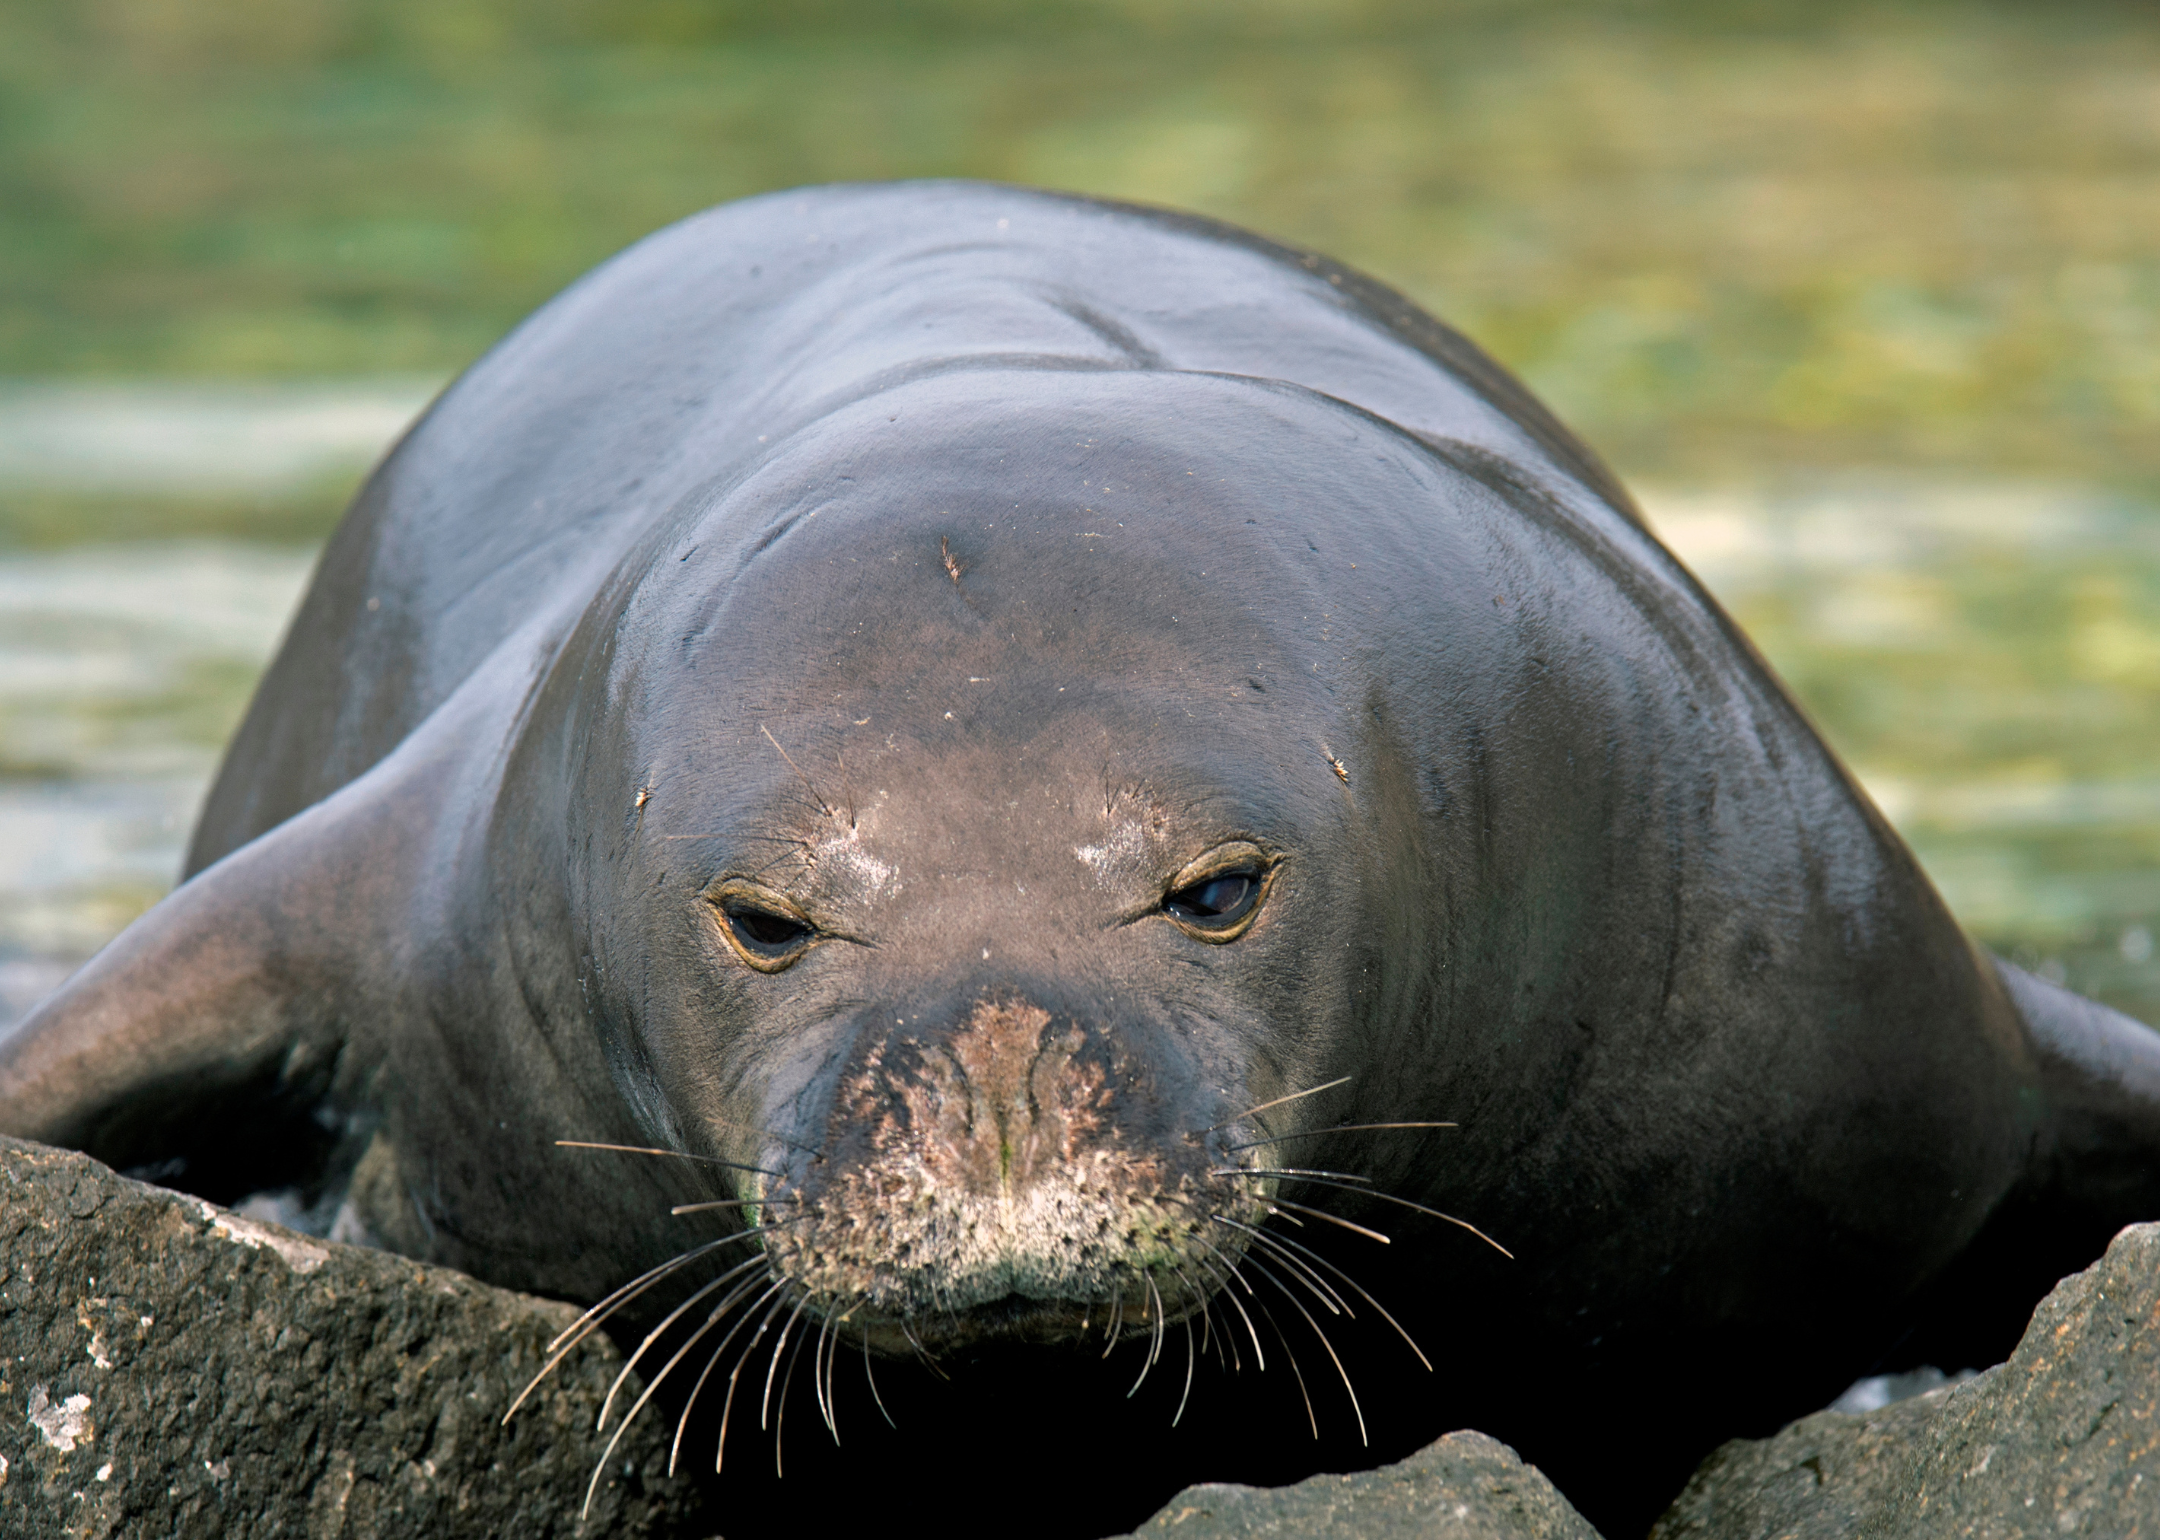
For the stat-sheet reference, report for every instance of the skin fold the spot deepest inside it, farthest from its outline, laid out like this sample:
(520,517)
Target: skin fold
(1063,767)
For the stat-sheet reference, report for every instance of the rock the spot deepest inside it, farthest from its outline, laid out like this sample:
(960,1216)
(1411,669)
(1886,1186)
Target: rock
(170,1368)
(2064,1439)
(1466,1487)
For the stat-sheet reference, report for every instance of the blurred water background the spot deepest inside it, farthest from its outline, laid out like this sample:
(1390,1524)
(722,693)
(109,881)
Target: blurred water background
(1864,299)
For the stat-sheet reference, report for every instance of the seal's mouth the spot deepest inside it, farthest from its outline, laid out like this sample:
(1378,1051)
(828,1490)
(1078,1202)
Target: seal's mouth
(1143,1307)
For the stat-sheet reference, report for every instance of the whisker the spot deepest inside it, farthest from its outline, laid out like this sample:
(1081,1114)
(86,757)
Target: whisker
(1314,1283)
(683,1422)
(1333,1219)
(630,1416)
(1299,1305)
(727,1406)
(566,1341)
(1339,1128)
(642,1149)
(773,1368)
(1117,1318)
(1161,1322)
(1298,1171)
(1205,1318)
(1259,1353)
(1185,1394)
(1233,1360)
(629,1291)
(681,1310)
(1374,1192)
(787,1383)
(699,1208)
(832,1365)
(871,1378)
(817,1378)
(1156,1307)
(1362,1294)
(924,1354)
(1277,1102)
(1290,1353)
(815,795)
(1154,1342)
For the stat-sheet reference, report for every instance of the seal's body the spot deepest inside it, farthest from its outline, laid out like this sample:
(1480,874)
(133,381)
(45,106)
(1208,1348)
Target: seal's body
(1049,747)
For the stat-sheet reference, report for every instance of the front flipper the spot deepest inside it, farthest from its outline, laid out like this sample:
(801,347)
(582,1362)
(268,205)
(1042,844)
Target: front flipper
(2100,1074)
(204,1044)
(2092,1165)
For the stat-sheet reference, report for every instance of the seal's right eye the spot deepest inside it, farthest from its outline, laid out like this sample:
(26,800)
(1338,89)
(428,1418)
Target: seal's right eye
(1216,897)
(765,931)
(1217,901)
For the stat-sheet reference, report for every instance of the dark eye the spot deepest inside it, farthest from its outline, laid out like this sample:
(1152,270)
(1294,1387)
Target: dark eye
(763,933)
(1217,902)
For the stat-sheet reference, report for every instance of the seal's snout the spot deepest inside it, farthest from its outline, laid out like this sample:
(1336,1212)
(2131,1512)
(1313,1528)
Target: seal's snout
(1009,1102)
(1010,1174)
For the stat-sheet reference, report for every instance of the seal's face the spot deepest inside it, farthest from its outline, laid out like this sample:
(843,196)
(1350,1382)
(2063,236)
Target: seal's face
(991,930)
(999,1018)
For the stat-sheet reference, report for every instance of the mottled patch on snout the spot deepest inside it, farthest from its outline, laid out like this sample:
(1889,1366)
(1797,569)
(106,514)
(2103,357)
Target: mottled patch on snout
(1017,1176)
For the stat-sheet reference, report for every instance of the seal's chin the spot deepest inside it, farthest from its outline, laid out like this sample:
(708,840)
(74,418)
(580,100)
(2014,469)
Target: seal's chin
(1018,1319)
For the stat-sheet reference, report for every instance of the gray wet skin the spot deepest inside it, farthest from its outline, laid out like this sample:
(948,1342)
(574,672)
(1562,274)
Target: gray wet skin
(940,698)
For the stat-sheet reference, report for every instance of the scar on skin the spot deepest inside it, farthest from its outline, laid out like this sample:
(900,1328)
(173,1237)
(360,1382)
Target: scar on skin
(952,564)
(1342,772)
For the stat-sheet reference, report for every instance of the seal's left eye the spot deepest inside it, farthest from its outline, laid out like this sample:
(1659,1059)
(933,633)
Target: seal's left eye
(1216,903)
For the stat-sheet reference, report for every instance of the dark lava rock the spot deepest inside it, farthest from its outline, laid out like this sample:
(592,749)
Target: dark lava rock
(1466,1487)
(2064,1439)
(168,1368)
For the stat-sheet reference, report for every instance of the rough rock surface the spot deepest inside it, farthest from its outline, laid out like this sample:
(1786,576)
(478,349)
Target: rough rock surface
(168,1368)
(2064,1439)
(1464,1487)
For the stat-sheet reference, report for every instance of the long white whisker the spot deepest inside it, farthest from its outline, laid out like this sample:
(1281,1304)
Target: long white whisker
(1186,1393)
(872,1378)
(1339,1128)
(638,1405)
(682,1423)
(1313,1282)
(1347,1176)
(566,1341)
(817,1377)
(1155,1341)
(773,1368)
(1388,1197)
(1290,1353)
(1364,1295)
(1277,1102)
(1117,1317)
(1299,1305)
(787,1382)
(641,1149)
(1259,1353)
(655,1334)
(727,1407)
(1333,1219)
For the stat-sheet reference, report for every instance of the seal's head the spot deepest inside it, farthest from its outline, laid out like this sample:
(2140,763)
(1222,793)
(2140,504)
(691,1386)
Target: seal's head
(975,927)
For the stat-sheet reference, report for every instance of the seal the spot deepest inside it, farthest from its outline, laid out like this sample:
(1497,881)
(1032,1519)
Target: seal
(979,780)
